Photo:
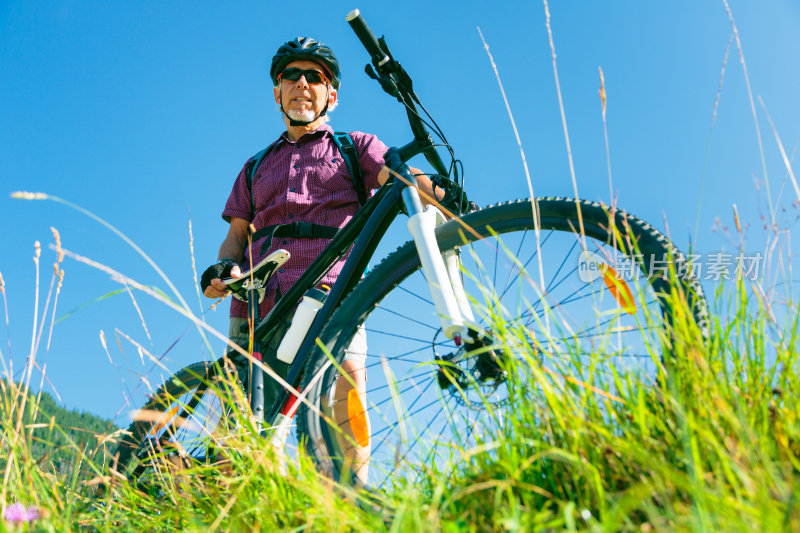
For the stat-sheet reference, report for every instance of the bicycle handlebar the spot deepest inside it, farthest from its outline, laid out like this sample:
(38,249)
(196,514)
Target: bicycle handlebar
(367,38)
(397,83)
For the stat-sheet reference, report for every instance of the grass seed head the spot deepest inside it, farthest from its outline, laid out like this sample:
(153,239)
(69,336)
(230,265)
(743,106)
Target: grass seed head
(25,195)
(602,91)
(57,238)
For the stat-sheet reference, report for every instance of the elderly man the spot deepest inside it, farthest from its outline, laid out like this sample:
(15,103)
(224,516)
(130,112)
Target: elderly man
(303,179)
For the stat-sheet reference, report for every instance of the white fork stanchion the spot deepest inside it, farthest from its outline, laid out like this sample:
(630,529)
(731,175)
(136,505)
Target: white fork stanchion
(452,262)
(422,226)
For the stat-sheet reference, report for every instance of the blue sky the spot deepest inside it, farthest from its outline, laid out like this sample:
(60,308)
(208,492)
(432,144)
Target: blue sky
(144,112)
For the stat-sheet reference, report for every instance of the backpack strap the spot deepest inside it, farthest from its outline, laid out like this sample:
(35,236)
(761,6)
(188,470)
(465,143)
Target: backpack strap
(252,167)
(350,154)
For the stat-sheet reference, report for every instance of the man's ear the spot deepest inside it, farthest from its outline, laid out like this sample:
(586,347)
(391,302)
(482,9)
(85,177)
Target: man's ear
(277,93)
(332,96)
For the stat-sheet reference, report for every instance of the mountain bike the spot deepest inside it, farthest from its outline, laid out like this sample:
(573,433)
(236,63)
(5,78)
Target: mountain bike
(452,320)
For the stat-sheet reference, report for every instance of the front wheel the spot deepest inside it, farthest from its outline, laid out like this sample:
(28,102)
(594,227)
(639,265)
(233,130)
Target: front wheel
(557,298)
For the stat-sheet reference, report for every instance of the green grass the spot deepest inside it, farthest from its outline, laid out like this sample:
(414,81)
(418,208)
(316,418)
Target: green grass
(713,445)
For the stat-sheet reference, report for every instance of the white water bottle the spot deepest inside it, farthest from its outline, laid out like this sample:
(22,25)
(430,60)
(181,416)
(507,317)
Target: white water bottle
(301,321)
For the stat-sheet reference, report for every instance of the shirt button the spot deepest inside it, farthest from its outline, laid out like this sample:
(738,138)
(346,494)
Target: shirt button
(285,242)
(291,216)
(292,189)
(295,166)
(280,270)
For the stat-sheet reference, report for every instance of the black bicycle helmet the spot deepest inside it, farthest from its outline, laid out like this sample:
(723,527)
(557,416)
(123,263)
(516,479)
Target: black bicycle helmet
(305,48)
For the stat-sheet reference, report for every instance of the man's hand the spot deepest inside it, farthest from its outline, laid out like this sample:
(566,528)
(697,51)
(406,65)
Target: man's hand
(211,281)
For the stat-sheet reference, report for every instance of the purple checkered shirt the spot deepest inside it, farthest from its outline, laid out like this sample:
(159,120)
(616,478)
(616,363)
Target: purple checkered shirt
(302,181)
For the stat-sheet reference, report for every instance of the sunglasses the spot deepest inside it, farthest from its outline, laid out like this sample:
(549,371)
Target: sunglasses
(313,77)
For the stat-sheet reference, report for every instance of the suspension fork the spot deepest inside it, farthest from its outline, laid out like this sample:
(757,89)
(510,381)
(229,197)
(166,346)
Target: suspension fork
(442,272)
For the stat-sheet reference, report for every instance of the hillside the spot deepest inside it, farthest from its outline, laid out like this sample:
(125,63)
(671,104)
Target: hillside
(57,432)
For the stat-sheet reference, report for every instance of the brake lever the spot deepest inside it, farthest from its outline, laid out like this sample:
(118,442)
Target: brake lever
(387,83)
(455,198)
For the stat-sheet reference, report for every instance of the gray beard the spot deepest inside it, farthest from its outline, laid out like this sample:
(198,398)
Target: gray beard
(306,115)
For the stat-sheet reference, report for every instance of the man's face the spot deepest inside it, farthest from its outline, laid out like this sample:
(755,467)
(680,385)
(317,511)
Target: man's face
(302,100)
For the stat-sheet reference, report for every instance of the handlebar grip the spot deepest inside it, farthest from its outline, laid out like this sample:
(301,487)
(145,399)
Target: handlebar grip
(367,38)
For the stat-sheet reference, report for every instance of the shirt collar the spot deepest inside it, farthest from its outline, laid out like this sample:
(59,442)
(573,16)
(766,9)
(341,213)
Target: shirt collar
(322,130)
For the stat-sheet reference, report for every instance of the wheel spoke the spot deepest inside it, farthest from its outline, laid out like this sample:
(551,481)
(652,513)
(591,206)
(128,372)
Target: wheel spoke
(396,335)
(415,295)
(401,315)
(518,272)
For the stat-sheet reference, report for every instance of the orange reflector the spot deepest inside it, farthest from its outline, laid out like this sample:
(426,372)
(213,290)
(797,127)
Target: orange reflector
(618,288)
(164,420)
(358,418)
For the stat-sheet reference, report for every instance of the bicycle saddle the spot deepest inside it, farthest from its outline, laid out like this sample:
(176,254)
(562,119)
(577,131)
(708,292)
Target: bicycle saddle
(257,277)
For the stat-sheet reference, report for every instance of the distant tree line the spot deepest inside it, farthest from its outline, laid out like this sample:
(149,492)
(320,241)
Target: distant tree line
(56,436)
